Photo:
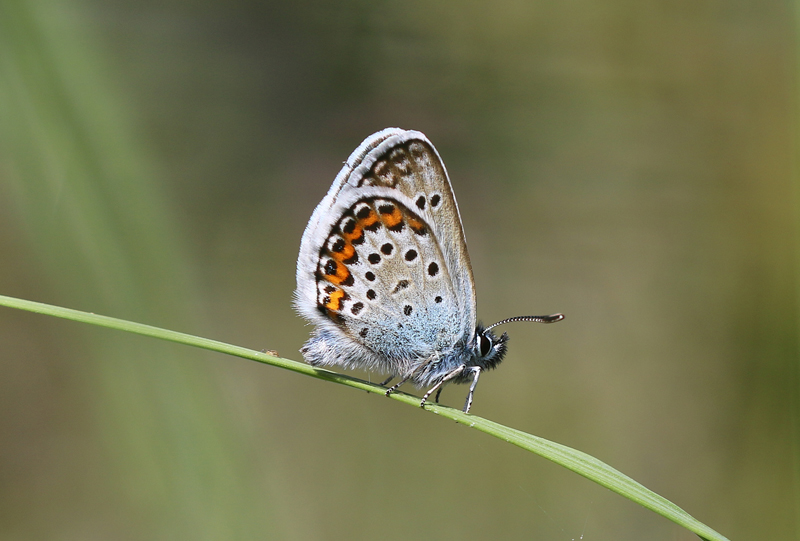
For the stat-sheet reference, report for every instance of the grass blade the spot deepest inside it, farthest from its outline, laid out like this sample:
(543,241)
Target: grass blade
(574,460)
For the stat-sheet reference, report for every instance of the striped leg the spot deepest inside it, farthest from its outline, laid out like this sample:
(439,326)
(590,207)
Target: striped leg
(468,403)
(438,386)
(394,387)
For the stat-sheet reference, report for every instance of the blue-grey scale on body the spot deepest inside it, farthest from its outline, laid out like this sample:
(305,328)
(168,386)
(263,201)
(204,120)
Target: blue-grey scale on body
(384,274)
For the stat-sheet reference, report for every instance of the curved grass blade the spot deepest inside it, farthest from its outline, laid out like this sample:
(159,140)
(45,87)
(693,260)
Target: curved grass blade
(572,459)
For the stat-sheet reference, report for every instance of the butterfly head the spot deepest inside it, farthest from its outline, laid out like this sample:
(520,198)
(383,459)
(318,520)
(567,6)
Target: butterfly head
(488,349)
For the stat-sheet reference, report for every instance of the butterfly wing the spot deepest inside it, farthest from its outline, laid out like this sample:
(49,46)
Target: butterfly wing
(383,269)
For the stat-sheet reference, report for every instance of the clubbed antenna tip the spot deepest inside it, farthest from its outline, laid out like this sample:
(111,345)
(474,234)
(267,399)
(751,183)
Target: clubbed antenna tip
(536,319)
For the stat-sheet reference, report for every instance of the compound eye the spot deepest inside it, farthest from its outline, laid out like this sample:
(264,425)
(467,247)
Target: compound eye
(484,345)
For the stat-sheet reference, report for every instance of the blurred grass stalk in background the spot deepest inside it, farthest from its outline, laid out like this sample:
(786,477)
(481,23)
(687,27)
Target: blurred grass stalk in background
(86,195)
(794,395)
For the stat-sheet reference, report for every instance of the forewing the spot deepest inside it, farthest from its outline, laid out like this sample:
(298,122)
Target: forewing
(406,161)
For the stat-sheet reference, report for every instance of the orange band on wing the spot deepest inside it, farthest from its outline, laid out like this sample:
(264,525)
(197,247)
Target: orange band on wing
(393,218)
(368,222)
(335,300)
(355,234)
(342,275)
(337,273)
(345,253)
(417,226)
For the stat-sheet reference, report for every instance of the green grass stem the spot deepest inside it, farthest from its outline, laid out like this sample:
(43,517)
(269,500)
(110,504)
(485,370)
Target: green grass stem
(576,461)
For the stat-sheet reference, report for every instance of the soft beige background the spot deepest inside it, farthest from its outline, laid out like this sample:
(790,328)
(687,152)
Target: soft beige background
(627,163)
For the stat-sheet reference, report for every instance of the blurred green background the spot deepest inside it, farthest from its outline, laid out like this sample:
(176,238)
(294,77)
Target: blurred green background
(631,164)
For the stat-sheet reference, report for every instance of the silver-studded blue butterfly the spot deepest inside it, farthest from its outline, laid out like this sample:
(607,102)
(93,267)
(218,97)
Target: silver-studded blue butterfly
(384,274)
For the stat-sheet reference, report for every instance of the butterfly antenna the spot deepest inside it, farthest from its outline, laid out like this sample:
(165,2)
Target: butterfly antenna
(537,319)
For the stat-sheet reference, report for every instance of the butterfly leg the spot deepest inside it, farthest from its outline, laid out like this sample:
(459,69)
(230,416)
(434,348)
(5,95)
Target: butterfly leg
(438,386)
(387,380)
(477,371)
(394,387)
(437,394)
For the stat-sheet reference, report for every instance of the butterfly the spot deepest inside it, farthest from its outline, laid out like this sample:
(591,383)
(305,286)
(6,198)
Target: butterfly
(383,272)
